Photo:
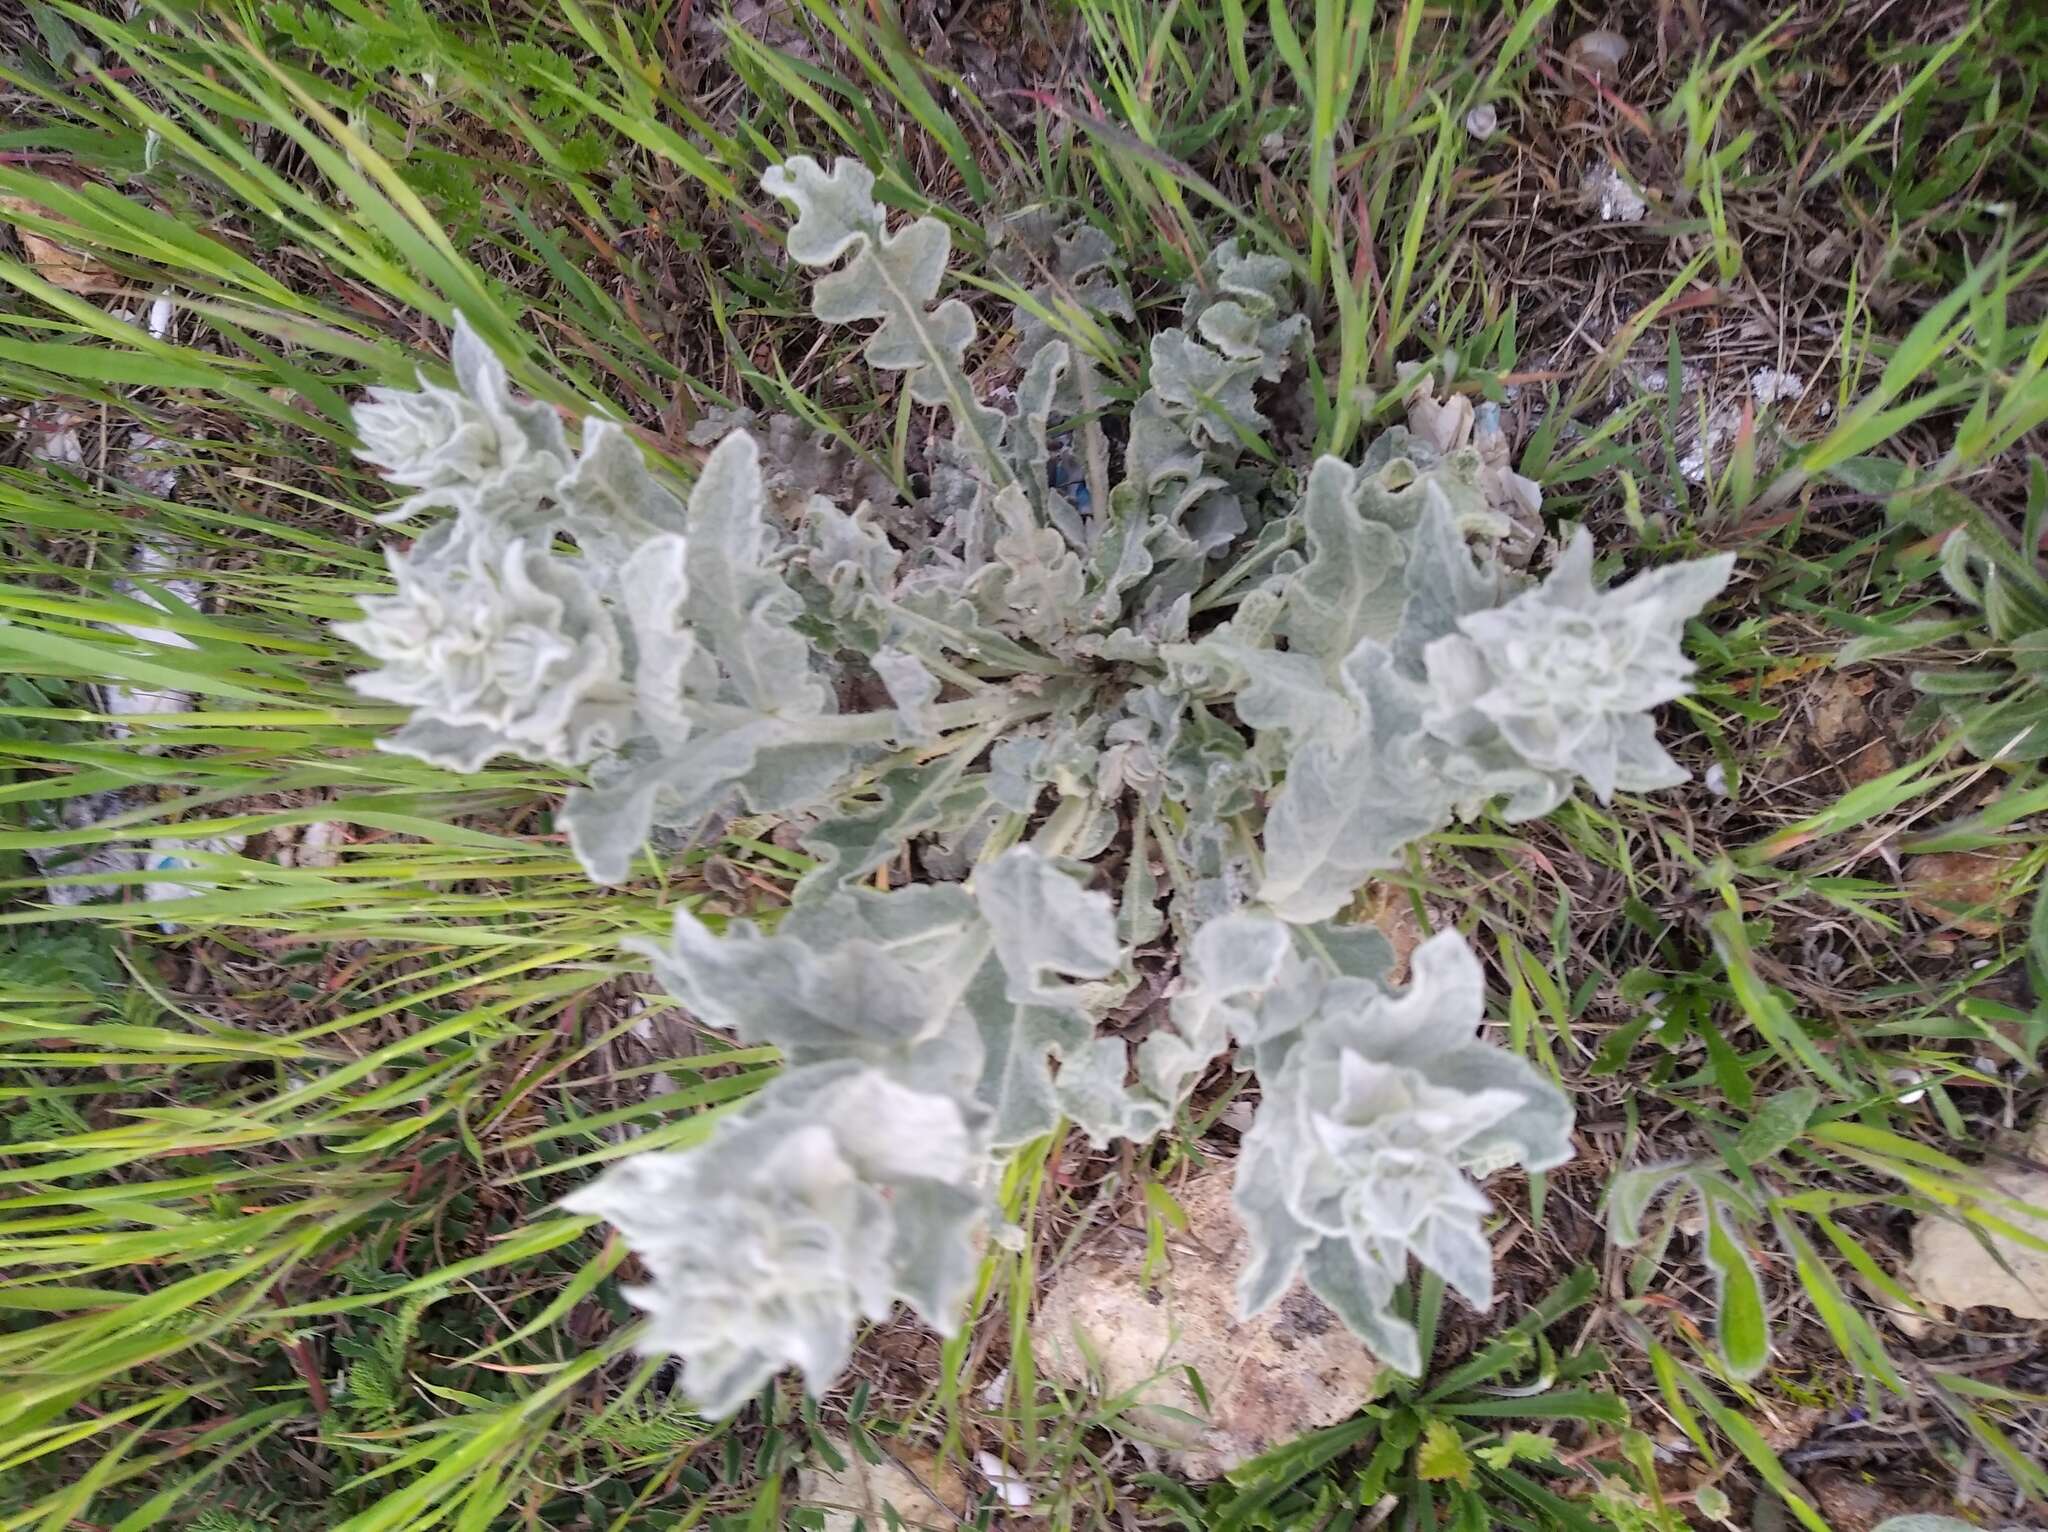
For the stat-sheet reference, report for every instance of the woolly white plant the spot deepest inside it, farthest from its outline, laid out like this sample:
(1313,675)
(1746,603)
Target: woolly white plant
(766,1245)
(464,447)
(1561,680)
(499,648)
(1056,660)
(1377,1113)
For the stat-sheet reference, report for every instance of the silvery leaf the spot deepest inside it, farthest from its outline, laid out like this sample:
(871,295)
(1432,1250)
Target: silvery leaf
(1212,771)
(682,784)
(932,616)
(1355,798)
(1015,776)
(912,688)
(1035,588)
(850,558)
(611,503)
(500,646)
(910,801)
(1071,277)
(893,277)
(1092,1093)
(1244,308)
(836,986)
(795,1220)
(1221,876)
(743,610)
(653,588)
(1208,395)
(1372,1125)
(1277,690)
(1560,679)
(760,720)
(1019,1042)
(1352,586)
(1045,926)
(1445,582)
(473,447)
(1359,1286)
(1025,441)
(1632,1192)
(1250,977)
(932,1249)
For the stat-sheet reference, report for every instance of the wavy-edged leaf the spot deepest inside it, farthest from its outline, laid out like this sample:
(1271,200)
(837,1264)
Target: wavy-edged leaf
(1045,926)
(1354,799)
(910,800)
(1352,586)
(893,277)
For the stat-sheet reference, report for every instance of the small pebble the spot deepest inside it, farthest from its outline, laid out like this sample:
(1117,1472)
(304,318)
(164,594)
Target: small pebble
(1482,122)
(1600,51)
(1015,1491)
(1767,385)
(1619,202)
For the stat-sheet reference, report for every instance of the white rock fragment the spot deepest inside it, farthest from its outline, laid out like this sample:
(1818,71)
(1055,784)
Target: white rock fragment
(1703,444)
(67,862)
(146,464)
(1655,377)
(1705,441)
(51,429)
(1482,122)
(151,561)
(1012,1490)
(320,844)
(1716,780)
(1767,385)
(1618,201)
(1292,1369)
(169,854)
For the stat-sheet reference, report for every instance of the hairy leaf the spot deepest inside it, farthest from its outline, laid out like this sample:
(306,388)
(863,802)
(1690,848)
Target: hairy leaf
(1352,587)
(769,1243)
(1355,797)
(879,979)
(472,448)
(1372,1120)
(1045,925)
(1564,676)
(499,647)
(893,277)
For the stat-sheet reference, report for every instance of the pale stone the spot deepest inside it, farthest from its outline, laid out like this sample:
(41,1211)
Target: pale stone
(1619,202)
(926,1495)
(1292,1369)
(1973,891)
(1950,1266)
